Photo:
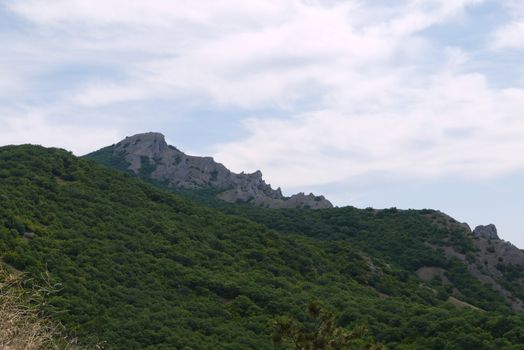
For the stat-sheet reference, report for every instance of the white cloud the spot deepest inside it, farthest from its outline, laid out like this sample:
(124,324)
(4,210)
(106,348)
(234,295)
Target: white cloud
(457,125)
(98,94)
(10,82)
(152,13)
(360,88)
(510,36)
(293,49)
(35,127)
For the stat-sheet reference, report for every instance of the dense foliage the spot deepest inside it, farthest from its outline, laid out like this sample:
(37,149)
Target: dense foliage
(142,267)
(321,333)
(409,239)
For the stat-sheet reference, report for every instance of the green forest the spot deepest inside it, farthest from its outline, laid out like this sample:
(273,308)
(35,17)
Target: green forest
(140,266)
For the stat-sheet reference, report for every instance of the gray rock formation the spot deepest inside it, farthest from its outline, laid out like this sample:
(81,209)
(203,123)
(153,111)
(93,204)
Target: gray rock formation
(492,256)
(487,262)
(149,155)
(488,232)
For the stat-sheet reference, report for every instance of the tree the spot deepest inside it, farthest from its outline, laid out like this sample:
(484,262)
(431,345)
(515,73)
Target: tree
(321,334)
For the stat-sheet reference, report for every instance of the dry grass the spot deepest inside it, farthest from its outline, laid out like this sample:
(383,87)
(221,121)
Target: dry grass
(22,324)
(462,304)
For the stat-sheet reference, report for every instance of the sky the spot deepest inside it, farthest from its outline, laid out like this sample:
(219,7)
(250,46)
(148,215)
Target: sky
(407,104)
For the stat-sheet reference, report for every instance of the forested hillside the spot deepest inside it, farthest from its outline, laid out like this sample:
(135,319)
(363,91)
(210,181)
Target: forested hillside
(471,265)
(141,267)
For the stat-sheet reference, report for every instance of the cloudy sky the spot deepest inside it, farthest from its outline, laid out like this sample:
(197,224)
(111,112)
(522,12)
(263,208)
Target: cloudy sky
(408,103)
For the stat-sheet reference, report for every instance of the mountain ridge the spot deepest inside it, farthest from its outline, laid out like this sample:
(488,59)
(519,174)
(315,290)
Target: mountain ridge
(486,261)
(149,155)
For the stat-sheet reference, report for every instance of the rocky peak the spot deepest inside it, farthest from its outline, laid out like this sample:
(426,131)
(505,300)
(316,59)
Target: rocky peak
(151,145)
(149,155)
(257,175)
(147,143)
(487,232)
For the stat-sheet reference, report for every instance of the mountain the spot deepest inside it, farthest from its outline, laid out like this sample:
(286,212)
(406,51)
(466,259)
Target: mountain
(149,155)
(465,260)
(138,266)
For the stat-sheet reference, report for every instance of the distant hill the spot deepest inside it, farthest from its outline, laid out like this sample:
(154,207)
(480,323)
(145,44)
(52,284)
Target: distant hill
(440,251)
(141,267)
(149,156)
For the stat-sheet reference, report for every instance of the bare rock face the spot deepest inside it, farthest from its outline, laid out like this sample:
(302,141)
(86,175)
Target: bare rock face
(488,232)
(148,154)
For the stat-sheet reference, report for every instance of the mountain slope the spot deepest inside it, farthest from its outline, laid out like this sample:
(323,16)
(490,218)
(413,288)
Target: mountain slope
(149,156)
(143,268)
(470,262)
(475,266)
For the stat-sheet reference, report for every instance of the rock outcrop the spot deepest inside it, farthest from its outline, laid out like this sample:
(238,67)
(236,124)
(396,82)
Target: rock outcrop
(149,155)
(492,258)
(488,232)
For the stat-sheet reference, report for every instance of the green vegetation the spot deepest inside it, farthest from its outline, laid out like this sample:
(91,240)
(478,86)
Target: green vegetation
(147,167)
(513,278)
(106,156)
(321,333)
(408,239)
(144,268)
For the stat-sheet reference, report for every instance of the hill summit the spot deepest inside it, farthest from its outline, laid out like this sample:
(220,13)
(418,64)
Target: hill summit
(149,156)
